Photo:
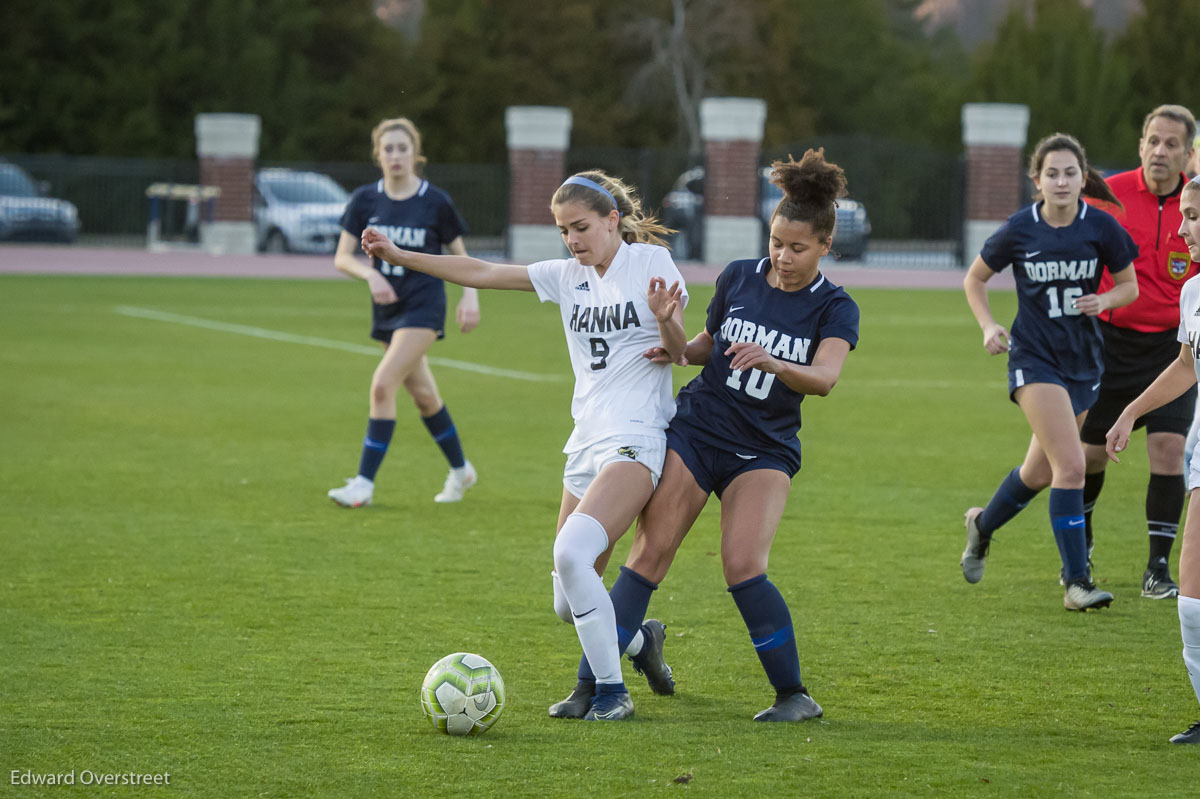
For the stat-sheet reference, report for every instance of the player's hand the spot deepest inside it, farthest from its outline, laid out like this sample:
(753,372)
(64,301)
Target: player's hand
(1089,304)
(377,245)
(660,355)
(466,314)
(662,300)
(381,290)
(1118,437)
(995,339)
(748,355)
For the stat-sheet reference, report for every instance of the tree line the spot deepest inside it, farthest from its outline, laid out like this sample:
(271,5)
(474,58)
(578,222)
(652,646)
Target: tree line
(127,77)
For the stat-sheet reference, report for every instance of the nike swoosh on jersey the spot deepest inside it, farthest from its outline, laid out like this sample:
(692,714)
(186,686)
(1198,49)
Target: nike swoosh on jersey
(745,457)
(372,220)
(1031,254)
(736,308)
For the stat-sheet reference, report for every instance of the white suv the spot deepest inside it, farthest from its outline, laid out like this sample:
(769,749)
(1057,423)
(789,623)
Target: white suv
(297,211)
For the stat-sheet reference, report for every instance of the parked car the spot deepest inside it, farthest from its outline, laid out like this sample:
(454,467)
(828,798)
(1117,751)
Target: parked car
(297,211)
(683,209)
(26,214)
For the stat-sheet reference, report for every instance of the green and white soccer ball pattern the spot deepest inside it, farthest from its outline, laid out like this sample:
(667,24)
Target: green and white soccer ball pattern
(463,694)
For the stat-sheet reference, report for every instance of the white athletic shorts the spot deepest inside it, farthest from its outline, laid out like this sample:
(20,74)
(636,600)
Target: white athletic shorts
(1194,465)
(583,465)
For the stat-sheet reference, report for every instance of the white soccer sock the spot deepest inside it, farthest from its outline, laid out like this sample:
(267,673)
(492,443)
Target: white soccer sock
(562,608)
(1189,630)
(581,540)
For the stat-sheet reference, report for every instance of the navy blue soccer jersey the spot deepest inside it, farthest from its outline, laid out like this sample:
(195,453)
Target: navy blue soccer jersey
(751,411)
(1053,266)
(425,222)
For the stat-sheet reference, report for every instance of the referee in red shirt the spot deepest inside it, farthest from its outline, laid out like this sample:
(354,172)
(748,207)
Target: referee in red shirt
(1140,339)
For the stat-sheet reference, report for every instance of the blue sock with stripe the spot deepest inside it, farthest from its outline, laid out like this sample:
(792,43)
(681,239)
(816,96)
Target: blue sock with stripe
(1010,499)
(770,624)
(441,427)
(375,446)
(1066,519)
(630,596)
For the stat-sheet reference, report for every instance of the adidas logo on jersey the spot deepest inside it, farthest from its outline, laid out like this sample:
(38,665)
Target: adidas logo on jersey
(583,286)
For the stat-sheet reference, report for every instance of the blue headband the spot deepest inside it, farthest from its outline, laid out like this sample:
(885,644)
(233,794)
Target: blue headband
(575,180)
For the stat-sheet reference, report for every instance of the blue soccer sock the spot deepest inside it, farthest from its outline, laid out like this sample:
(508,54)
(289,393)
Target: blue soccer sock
(630,596)
(770,624)
(375,446)
(1066,519)
(1010,499)
(441,427)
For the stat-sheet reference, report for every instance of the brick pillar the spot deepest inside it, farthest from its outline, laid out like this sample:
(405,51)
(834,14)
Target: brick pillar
(227,146)
(994,136)
(537,166)
(732,129)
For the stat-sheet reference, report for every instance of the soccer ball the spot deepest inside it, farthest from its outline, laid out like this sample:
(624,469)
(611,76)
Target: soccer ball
(462,694)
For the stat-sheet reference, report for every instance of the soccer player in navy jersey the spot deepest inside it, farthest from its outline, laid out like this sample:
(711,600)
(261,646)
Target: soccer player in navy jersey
(777,331)
(1058,248)
(408,309)
(1175,381)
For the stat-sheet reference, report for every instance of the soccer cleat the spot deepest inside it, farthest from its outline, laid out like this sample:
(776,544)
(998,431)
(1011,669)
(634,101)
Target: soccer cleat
(1157,582)
(577,704)
(610,707)
(1189,736)
(977,548)
(355,493)
(649,662)
(1082,594)
(457,483)
(796,707)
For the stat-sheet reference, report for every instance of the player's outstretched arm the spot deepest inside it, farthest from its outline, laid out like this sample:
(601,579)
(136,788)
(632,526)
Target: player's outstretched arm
(460,269)
(1177,378)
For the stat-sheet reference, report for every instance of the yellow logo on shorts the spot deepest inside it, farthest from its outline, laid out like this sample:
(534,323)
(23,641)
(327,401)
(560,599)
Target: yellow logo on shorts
(629,452)
(1178,265)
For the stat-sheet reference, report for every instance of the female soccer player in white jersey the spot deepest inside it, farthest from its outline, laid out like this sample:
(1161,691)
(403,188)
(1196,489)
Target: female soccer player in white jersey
(1057,247)
(777,331)
(619,294)
(408,308)
(1173,382)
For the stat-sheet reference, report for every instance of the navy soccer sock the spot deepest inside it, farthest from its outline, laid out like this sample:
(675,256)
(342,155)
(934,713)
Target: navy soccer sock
(375,446)
(441,427)
(1010,499)
(630,596)
(1066,519)
(770,624)
(1092,484)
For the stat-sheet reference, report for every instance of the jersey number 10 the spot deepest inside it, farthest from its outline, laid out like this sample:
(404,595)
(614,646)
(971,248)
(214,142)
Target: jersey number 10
(1068,301)
(758,384)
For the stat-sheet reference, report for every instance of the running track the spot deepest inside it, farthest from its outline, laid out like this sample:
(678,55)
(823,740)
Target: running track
(61,260)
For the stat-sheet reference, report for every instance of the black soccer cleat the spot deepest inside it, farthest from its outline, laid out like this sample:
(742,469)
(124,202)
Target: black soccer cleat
(1189,736)
(577,704)
(610,707)
(1157,582)
(649,662)
(796,707)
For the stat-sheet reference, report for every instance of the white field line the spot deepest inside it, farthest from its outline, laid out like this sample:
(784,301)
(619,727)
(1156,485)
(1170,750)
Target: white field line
(330,344)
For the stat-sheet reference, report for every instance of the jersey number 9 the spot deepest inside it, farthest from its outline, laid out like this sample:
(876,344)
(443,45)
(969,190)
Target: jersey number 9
(600,353)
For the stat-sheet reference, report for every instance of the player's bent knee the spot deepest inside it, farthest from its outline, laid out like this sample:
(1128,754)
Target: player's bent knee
(581,540)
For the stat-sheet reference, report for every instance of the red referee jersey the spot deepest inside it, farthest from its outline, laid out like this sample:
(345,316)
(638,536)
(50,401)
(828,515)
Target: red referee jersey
(1163,264)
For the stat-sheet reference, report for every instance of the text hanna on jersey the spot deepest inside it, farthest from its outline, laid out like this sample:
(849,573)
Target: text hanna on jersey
(603,318)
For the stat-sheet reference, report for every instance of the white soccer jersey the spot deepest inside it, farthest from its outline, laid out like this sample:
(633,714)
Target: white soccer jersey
(1189,318)
(609,325)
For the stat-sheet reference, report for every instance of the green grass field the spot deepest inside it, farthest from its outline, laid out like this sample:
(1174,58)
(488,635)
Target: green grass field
(179,596)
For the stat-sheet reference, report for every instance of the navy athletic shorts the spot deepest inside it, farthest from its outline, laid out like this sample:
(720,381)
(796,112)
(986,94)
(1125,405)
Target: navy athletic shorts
(1082,393)
(425,308)
(714,467)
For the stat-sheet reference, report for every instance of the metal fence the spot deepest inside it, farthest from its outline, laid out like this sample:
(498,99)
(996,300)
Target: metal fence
(914,196)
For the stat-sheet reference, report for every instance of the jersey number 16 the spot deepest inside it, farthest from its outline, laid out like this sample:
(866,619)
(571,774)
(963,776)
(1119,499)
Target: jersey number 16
(1069,295)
